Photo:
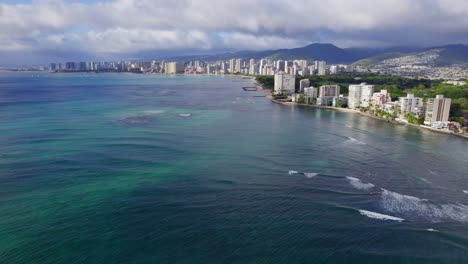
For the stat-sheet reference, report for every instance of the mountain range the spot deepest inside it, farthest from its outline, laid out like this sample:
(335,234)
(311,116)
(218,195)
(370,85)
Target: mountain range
(448,55)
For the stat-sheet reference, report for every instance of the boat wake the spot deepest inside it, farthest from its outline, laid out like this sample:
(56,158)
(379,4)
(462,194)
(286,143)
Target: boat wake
(358,184)
(415,208)
(380,216)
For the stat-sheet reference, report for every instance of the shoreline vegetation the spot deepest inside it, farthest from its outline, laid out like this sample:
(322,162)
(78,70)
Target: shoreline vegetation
(269,95)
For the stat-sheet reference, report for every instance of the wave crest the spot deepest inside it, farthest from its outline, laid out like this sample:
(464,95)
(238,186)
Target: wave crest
(414,207)
(358,184)
(380,216)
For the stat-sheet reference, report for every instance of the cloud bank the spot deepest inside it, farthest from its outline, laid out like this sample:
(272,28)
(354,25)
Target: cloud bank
(53,29)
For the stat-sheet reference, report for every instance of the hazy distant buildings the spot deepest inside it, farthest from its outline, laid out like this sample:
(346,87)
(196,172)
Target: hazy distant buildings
(360,95)
(437,110)
(284,83)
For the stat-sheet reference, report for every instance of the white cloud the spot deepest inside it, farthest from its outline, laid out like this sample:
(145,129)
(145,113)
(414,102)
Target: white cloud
(125,26)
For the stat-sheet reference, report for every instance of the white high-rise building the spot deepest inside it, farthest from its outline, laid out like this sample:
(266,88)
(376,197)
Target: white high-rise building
(360,95)
(310,93)
(238,65)
(284,83)
(410,105)
(322,68)
(437,110)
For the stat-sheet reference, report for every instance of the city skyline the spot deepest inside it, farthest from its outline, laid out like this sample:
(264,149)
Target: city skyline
(57,30)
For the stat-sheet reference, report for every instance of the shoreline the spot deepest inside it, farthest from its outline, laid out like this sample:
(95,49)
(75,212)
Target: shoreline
(394,122)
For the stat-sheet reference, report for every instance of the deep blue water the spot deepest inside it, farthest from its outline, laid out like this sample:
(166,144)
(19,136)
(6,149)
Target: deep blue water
(102,168)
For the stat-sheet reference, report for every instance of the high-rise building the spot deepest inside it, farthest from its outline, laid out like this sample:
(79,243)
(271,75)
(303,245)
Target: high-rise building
(410,105)
(284,83)
(303,84)
(232,64)
(174,67)
(329,90)
(238,65)
(280,66)
(310,93)
(437,110)
(360,95)
(379,99)
(322,68)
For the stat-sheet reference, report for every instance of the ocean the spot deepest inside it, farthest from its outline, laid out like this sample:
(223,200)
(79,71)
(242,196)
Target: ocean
(126,168)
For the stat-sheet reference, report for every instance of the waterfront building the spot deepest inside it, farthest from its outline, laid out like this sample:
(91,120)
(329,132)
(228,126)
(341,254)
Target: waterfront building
(310,94)
(360,95)
(329,90)
(326,100)
(410,105)
(303,84)
(284,83)
(380,98)
(437,110)
(174,67)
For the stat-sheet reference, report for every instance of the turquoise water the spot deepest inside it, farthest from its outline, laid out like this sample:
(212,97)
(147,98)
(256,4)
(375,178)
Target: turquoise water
(102,168)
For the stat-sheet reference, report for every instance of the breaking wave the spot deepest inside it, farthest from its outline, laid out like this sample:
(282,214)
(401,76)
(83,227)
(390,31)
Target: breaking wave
(380,216)
(310,174)
(292,172)
(465,191)
(416,208)
(353,140)
(358,184)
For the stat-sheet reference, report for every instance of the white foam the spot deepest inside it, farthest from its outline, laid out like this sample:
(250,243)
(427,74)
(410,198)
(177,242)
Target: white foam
(358,184)
(185,115)
(292,172)
(415,207)
(465,191)
(380,216)
(432,230)
(353,140)
(349,126)
(310,174)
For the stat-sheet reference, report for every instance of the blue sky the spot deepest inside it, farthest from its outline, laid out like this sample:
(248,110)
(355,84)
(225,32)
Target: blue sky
(59,30)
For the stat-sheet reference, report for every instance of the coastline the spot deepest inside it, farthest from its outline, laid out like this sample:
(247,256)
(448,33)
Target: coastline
(372,116)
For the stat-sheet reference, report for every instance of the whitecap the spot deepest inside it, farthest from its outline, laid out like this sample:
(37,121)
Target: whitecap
(380,216)
(358,184)
(310,174)
(353,140)
(154,112)
(349,126)
(432,230)
(465,191)
(185,115)
(414,207)
(292,172)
